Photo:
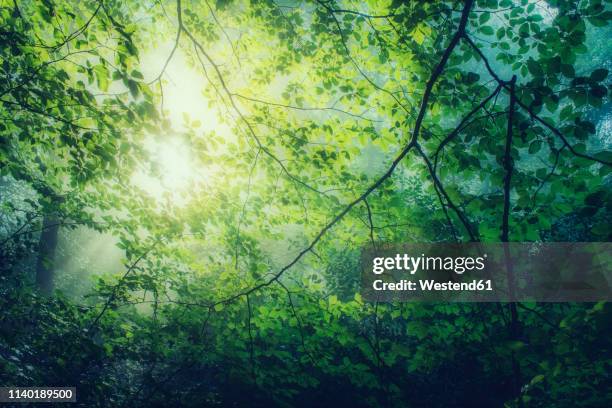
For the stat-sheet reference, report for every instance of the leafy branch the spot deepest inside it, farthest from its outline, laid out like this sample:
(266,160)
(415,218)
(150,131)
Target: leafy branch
(528,109)
(402,154)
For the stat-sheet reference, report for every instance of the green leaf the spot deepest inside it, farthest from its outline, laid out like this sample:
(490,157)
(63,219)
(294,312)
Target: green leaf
(133,87)
(605,156)
(102,76)
(487,30)
(599,74)
(568,70)
(472,77)
(535,146)
(598,91)
(534,68)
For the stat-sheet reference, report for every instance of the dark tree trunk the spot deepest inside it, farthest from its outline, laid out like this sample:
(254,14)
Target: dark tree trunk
(46,254)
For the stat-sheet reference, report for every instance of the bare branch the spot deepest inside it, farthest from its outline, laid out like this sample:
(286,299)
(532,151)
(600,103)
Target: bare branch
(508,164)
(438,184)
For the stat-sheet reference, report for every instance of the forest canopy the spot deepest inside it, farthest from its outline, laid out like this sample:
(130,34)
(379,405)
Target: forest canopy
(186,188)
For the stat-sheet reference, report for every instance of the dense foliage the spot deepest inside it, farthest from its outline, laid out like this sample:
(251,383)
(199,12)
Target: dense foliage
(326,126)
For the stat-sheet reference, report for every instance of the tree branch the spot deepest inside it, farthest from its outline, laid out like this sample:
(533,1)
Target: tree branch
(232,101)
(438,184)
(529,110)
(461,124)
(403,153)
(508,164)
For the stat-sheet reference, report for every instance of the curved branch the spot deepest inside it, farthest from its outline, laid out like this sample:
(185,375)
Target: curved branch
(371,222)
(113,294)
(440,67)
(281,105)
(355,12)
(438,184)
(174,48)
(357,67)
(461,124)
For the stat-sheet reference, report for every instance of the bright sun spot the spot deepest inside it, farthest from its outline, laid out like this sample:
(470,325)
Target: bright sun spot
(174,169)
(170,171)
(175,164)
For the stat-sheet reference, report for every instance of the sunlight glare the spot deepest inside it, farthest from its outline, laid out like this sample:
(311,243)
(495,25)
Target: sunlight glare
(174,162)
(170,171)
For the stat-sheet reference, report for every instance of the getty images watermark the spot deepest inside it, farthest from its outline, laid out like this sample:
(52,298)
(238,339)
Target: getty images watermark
(479,272)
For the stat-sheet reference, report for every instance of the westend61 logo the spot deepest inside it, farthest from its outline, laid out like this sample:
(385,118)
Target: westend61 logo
(413,264)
